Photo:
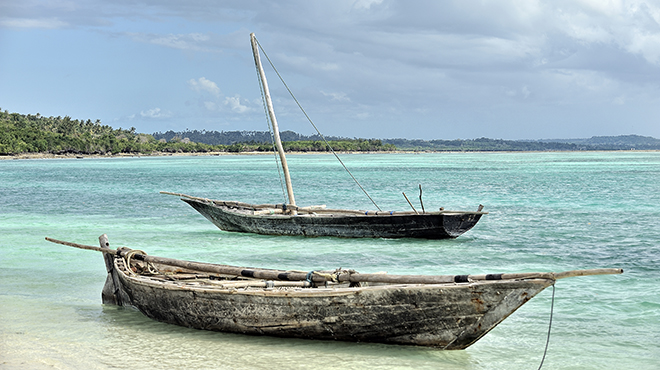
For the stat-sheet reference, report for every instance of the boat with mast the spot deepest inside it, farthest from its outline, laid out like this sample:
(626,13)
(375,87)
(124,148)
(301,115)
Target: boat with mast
(290,219)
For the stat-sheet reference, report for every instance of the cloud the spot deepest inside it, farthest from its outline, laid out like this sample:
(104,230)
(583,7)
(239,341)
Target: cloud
(191,41)
(526,92)
(382,60)
(234,102)
(209,105)
(46,23)
(336,96)
(155,113)
(203,85)
(366,4)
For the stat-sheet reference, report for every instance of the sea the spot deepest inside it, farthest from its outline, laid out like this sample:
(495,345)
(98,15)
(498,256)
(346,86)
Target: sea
(547,211)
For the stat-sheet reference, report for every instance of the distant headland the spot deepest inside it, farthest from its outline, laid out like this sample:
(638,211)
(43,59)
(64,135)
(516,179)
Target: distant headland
(34,135)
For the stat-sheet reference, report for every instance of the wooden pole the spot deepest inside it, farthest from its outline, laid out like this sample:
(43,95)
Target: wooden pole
(420,198)
(411,206)
(343,276)
(271,113)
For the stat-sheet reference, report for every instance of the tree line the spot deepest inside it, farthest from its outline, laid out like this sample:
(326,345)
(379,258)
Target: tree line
(232,137)
(63,135)
(622,142)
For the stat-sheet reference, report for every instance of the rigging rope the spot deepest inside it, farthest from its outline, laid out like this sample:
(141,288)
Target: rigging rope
(552,308)
(313,125)
(272,139)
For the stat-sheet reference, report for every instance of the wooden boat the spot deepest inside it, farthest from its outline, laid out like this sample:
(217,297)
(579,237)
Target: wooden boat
(444,311)
(289,219)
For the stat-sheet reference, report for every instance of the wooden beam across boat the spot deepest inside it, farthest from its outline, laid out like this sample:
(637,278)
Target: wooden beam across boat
(339,276)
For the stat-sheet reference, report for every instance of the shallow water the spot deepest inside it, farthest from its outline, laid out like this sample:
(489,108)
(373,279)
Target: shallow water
(548,212)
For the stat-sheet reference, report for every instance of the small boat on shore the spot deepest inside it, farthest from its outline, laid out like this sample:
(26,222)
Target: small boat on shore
(289,219)
(443,311)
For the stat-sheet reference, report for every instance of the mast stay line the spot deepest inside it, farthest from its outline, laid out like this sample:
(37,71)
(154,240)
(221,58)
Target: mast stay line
(308,119)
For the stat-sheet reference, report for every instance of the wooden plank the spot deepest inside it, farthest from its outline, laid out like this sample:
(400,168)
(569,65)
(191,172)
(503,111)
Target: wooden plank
(342,276)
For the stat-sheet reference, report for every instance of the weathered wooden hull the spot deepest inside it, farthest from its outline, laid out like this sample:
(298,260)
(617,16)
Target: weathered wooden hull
(444,311)
(447,316)
(437,225)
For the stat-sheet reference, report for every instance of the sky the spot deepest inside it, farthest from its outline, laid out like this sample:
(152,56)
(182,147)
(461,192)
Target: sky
(416,69)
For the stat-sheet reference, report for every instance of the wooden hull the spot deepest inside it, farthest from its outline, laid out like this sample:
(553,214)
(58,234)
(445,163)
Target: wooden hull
(444,311)
(447,316)
(436,225)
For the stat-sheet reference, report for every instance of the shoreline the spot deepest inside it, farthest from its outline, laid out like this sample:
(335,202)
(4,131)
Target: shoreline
(211,154)
(161,154)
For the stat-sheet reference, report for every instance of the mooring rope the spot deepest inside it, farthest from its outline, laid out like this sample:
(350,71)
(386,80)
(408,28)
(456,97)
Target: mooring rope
(547,341)
(313,125)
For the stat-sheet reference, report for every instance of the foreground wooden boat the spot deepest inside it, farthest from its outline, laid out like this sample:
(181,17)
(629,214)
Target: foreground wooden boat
(445,311)
(289,219)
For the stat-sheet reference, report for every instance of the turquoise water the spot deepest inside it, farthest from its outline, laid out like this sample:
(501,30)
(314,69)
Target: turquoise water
(548,212)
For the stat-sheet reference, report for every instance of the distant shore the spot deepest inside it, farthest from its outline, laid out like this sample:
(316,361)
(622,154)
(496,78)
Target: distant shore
(166,154)
(208,154)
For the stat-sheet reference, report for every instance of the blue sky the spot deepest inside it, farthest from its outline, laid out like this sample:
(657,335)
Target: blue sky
(361,68)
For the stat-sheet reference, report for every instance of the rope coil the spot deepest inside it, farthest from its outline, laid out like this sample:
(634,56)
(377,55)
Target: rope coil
(127,260)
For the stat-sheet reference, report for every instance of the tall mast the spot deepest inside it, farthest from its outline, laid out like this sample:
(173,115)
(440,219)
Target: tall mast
(271,113)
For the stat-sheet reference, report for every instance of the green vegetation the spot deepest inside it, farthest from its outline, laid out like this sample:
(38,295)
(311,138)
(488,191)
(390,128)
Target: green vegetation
(21,134)
(624,142)
(56,135)
(232,137)
(482,144)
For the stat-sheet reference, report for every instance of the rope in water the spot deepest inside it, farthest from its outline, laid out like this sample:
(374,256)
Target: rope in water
(313,125)
(552,308)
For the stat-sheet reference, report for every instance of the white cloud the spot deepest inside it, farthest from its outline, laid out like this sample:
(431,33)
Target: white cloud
(47,23)
(235,104)
(204,85)
(191,41)
(210,105)
(648,45)
(526,92)
(155,113)
(366,4)
(630,25)
(304,62)
(336,96)
(374,55)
